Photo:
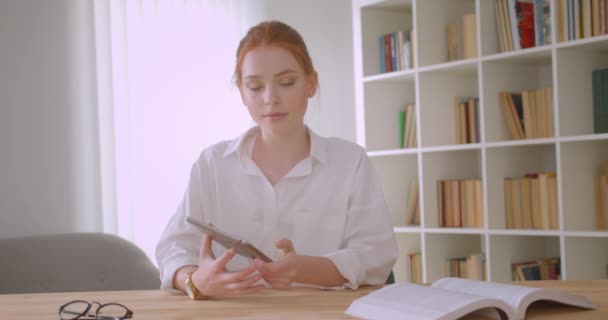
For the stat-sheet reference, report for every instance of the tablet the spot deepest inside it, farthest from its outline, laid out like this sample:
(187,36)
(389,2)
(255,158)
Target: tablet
(242,248)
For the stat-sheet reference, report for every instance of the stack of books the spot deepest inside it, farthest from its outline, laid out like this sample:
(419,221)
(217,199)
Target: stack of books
(528,114)
(600,100)
(470,267)
(523,23)
(466,120)
(541,269)
(601,199)
(462,38)
(396,51)
(460,203)
(578,19)
(531,201)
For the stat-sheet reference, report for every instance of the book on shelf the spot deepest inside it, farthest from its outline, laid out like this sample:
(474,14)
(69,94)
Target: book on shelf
(528,114)
(523,23)
(402,118)
(413,211)
(540,269)
(531,201)
(415,267)
(457,298)
(395,51)
(601,199)
(578,19)
(466,120)
(600,100)
(407,127)
(469,267)
(460,203)
(461,38)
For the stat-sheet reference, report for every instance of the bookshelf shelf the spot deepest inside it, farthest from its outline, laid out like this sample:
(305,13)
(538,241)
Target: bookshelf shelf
(572,151)
(590,234)
(407,76)
(524,232)
(455,231)
(454,147)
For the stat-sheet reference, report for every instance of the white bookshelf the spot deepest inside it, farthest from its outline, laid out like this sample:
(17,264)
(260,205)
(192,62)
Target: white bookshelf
(574,152)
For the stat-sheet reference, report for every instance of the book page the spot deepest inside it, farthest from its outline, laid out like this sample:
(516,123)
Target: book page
(517,297)
(511,294)
(418,302)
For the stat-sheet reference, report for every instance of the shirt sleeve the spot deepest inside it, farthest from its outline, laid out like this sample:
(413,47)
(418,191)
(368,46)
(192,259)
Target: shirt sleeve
(371,248)
(180,242)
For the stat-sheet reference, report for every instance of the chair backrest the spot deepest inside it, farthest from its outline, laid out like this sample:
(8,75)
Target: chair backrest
(74,262)
(391,278)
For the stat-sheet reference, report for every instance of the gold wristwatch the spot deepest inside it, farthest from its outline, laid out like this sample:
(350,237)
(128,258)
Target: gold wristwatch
(191,289)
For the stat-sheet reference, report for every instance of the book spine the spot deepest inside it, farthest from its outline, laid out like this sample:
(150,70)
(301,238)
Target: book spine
(402,119)
(512,14)
(382,54)
(469,36)
(394,66)
(387,52)
(547,39)
(525,24)
(538,23)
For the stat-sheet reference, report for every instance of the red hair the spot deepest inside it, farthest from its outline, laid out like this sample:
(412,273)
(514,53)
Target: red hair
(277,34)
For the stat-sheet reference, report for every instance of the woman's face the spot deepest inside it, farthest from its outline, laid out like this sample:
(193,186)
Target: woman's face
(275,89)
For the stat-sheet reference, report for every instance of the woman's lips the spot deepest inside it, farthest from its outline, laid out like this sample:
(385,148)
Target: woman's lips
(275,115)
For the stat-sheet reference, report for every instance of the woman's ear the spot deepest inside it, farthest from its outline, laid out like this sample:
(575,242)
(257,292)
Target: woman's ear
(313,83)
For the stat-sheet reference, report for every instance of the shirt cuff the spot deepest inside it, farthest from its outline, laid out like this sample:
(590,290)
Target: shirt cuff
(349,266)
(169,269)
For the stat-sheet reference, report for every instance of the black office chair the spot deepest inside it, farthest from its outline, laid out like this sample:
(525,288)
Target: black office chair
(74,262)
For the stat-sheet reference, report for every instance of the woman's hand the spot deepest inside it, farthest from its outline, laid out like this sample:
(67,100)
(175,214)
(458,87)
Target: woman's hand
(279,274)
(212,279)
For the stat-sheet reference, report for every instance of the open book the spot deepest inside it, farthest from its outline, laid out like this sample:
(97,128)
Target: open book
(452,298)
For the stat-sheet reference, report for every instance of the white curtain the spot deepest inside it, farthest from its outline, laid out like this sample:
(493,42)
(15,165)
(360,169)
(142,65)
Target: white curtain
(169,95)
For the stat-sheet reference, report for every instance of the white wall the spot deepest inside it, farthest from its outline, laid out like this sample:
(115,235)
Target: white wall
(49,165)
(47,118)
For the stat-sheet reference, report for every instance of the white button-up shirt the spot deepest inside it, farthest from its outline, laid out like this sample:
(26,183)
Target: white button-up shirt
(330,204)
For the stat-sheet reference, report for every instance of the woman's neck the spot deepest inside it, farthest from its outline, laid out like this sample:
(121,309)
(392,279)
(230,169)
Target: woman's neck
(291,147)
(277,155)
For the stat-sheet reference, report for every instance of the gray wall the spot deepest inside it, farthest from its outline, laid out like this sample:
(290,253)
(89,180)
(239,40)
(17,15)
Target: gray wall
(48,154)
(49,158)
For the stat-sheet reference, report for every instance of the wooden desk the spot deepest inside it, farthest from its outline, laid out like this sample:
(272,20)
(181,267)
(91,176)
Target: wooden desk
(269,304)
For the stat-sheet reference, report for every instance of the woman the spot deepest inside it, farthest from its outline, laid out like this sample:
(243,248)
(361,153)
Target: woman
(280,187)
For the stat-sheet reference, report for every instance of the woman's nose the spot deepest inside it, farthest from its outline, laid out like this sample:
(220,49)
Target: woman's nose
(270,96)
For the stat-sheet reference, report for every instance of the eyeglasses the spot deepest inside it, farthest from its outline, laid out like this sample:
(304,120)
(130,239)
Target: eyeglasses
(79,309)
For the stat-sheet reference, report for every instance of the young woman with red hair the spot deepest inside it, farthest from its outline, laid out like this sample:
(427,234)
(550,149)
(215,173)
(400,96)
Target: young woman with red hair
(280,187)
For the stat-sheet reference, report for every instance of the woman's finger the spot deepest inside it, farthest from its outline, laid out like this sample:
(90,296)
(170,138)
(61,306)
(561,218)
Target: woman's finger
(222,261)
(236,276)
(286,246)
(243,284)
(205,250)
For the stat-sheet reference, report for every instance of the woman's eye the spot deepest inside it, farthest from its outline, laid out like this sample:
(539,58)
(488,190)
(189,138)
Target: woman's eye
(287,83)
(255,88)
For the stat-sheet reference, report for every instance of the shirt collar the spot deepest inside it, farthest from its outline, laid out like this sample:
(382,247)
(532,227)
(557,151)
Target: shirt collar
(243,145)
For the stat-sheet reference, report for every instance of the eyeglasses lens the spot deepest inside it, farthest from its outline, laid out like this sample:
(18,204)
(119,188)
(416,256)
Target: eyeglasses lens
(73,310)
(112,311)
